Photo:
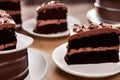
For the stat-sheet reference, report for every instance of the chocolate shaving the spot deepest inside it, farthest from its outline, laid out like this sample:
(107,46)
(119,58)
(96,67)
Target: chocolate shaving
(77,28)
(92,26)
(5,21)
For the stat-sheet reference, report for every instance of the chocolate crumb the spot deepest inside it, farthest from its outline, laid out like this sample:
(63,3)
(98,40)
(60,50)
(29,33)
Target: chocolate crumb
(76,28)
(92,26)
(5,21)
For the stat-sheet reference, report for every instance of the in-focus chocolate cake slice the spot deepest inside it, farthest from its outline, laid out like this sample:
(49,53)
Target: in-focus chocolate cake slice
(93,44)
(13,8)
(7,32)
(51,18)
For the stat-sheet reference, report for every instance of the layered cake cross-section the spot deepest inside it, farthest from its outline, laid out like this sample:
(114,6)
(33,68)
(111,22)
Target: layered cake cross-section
(7,32)
(51,18)
(13,58)
(93,44)
(13,8)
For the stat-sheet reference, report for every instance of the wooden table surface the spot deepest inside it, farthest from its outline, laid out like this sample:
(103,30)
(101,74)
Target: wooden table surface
(47,45)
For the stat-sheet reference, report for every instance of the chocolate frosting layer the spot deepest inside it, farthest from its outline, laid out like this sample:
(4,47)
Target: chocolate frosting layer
(51,5)
(93,29)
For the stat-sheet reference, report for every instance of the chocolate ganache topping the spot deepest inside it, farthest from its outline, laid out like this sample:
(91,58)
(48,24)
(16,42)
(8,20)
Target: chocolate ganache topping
(93,29)
(77,28)
(51,5)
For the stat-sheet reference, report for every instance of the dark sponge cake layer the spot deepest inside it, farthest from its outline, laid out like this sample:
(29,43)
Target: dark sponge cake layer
(8,5)
(51,28)
(56,13)
(102,40)
(17,18)
(93,57)
(7,36)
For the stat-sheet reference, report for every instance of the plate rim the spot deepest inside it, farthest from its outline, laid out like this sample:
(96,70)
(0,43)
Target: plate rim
(18,25)
(81,74)
(39,53)
(63,34)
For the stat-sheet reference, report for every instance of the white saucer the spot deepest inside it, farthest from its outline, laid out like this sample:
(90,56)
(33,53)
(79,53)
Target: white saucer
(30,25)
(18,25)
(92,17)
(85,70)
(37,65)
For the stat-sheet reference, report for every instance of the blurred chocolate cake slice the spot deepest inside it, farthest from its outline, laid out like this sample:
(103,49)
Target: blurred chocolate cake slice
(13,8)
(7,32)
(108,10)
(51,18)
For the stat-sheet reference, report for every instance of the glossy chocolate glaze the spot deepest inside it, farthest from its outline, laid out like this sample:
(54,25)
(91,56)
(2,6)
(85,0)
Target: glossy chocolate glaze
(109,3)
(14,65)
(108,10)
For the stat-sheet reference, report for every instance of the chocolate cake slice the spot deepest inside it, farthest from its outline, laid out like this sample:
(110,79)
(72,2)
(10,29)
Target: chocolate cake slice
(13,8)
(93,44)
(7,32)
(51,18)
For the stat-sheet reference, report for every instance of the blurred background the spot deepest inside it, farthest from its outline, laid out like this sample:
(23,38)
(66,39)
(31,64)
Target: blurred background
(32,2)
(76,8)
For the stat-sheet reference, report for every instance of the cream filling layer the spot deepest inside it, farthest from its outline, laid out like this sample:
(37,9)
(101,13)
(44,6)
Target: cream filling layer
(47,22)
(13,12)
(90,49)
(7,26)
(2,46)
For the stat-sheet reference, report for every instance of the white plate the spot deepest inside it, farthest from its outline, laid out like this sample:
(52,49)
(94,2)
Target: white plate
(23,42)
(37,65)
(85,70)
(92,17)
(30,25)
(18,25)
